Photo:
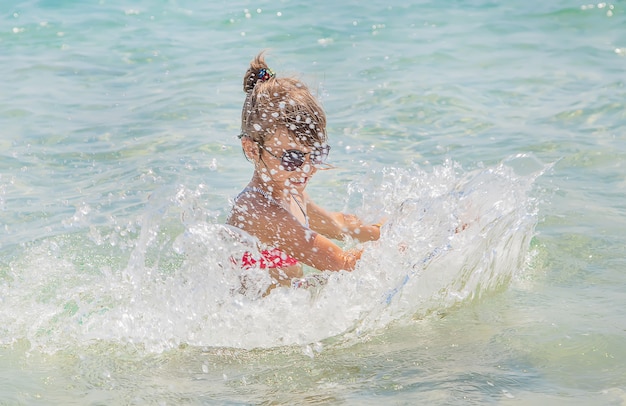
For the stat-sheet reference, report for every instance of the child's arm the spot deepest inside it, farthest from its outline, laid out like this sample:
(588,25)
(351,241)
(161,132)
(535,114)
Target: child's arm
(337,225)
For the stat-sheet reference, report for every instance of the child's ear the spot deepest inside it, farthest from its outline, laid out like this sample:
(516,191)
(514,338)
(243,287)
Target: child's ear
(250,148)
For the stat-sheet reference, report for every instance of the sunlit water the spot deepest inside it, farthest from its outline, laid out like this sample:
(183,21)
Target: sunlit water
(120,160)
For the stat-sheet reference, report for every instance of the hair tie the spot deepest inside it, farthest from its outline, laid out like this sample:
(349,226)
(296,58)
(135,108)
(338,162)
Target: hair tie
(265,74)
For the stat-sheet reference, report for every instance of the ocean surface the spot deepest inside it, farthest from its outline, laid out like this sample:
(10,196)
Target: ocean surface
(119,160)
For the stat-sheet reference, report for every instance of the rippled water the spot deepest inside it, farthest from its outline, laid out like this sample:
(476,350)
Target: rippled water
(119,160)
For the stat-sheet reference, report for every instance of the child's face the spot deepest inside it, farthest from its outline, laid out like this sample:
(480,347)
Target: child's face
(282,152)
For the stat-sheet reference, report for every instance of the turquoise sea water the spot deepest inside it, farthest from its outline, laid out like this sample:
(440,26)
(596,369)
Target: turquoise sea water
(119,159)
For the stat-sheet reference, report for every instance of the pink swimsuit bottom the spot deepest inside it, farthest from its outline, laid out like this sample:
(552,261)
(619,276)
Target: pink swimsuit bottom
(273,258)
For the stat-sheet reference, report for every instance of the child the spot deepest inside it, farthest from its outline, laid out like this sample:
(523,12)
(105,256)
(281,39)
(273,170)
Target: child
(283,133)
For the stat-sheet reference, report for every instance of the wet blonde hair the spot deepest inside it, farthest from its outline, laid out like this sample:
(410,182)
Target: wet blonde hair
(274,102)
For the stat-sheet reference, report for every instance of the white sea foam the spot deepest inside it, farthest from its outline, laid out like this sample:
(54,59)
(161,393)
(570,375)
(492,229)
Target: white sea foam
(451,235)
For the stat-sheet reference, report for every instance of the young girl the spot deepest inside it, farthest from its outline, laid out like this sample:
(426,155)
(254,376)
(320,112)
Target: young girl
(283,133)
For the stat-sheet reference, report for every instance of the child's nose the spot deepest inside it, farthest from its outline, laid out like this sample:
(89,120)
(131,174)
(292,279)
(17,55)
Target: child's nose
(307,167)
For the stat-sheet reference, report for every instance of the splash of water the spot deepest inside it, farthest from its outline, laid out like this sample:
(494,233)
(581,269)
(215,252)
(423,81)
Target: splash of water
(451,236)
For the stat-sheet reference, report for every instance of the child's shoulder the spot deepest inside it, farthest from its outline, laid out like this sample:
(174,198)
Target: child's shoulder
(253,203)
(255,196)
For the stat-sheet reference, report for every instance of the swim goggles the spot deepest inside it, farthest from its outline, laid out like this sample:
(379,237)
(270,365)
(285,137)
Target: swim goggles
(293,159)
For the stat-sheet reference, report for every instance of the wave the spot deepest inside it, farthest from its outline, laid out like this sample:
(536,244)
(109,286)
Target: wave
(161,280)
